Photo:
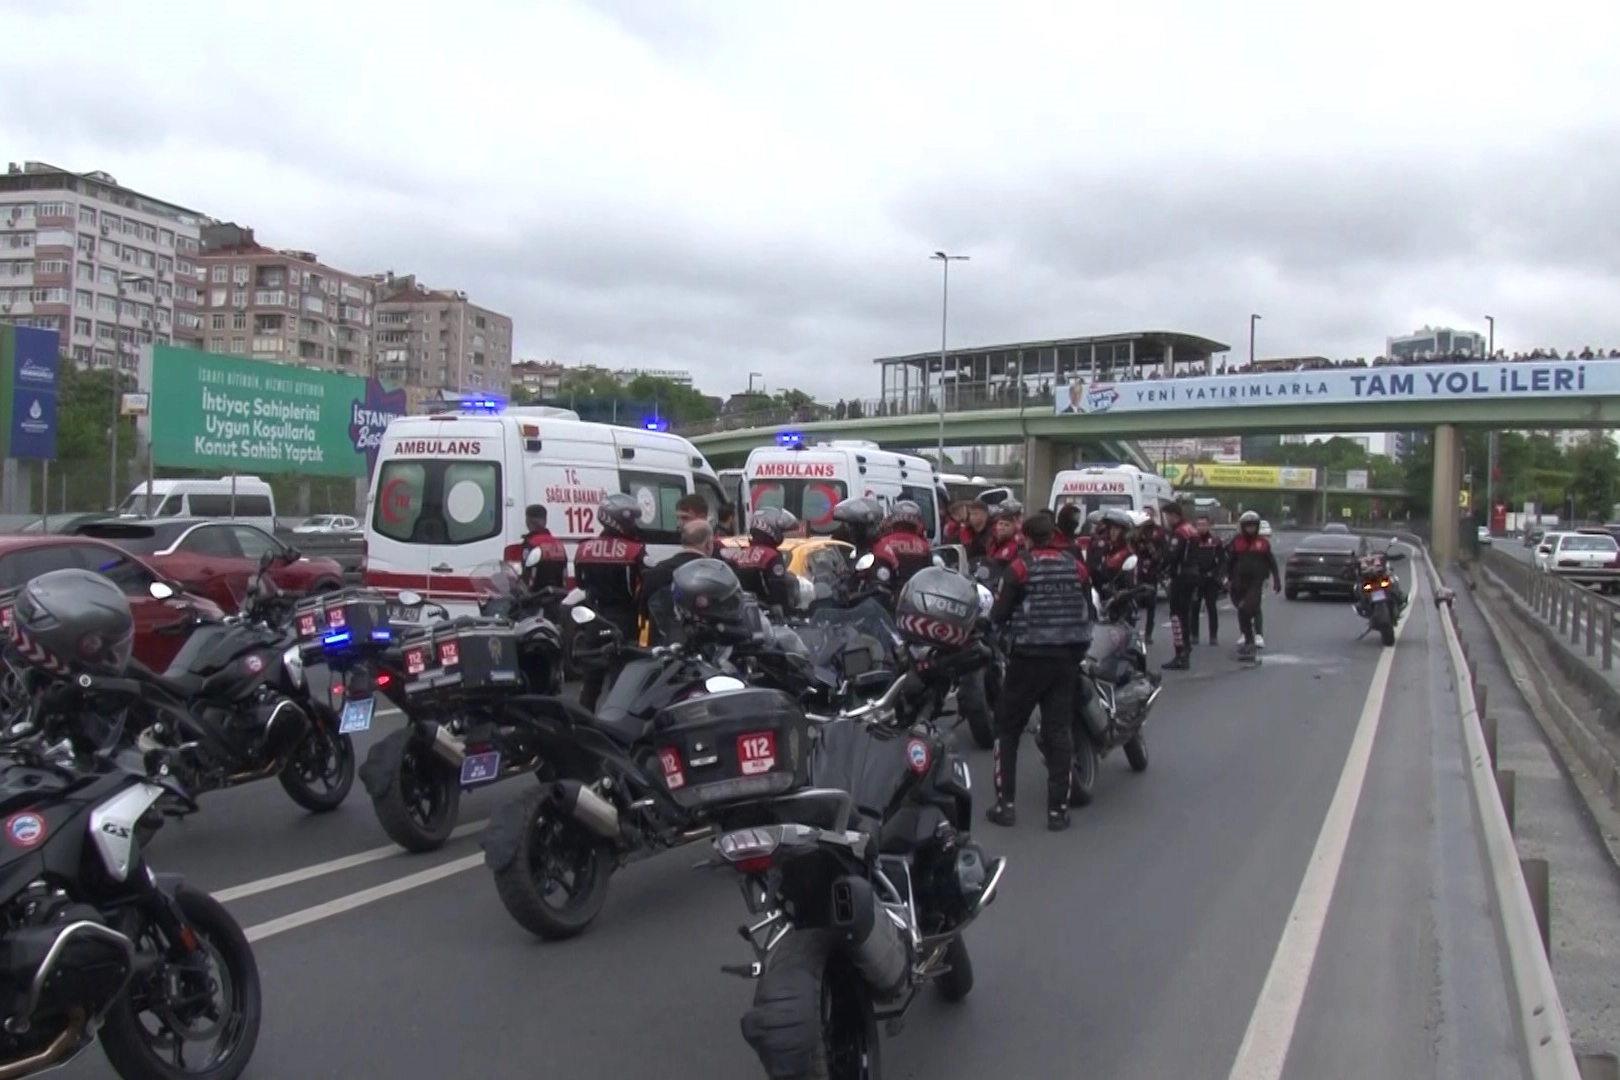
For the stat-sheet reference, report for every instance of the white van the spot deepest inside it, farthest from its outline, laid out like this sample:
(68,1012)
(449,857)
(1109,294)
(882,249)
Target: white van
(809,481)
(252,502)
(1102,487)
(450,490)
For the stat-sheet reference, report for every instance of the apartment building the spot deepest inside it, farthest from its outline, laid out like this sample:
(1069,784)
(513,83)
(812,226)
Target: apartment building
(108,268)
(437,339)
(538,378)
(283,305)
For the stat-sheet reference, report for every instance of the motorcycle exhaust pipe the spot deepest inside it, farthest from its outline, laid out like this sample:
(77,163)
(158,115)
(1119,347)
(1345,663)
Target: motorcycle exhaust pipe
(874,943)
(448,746)
(586,807)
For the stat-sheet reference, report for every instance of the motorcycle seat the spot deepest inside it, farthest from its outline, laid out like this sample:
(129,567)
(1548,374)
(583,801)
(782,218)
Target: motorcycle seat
(910,828)
(180,684)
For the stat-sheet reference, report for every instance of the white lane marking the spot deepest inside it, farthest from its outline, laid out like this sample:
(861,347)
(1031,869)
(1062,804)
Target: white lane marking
(333,866)
(360,899)
(1276,1013)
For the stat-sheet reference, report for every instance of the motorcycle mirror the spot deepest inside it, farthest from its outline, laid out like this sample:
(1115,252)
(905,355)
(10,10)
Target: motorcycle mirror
(575,597)
(866,562)
(531,558)
(720,684)
(582,615)
(160,590)
(1130,563)
(407,598)
(939,561)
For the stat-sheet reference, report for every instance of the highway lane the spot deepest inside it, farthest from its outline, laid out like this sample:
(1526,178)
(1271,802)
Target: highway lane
(1134,945)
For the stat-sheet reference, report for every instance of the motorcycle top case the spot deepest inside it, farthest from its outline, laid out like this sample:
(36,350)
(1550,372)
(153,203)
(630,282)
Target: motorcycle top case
(456,660)
(732,747)
(346,618)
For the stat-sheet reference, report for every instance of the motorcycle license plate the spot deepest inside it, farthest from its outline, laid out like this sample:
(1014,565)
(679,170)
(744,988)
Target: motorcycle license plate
(481,768)
(401,613)
(1378,594)
(356,715)
(1320,580)
(756,753)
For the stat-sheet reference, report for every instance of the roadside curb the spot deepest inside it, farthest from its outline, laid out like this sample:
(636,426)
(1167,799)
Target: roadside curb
(1567,726)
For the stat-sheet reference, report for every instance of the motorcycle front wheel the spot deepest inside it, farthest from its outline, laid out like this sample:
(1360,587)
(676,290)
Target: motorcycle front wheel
(320,772)
(221,1005)
(557,882)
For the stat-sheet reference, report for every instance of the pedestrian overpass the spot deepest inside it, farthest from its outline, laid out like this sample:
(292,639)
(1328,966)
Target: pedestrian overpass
(1549,395)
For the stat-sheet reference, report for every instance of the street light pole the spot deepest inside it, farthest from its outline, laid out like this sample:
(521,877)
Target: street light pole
(1252,320)
(124,277)
(944,333)
(1490,436)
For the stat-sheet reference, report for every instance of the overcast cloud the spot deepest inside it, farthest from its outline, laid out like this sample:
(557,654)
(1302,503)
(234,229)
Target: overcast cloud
(755,185)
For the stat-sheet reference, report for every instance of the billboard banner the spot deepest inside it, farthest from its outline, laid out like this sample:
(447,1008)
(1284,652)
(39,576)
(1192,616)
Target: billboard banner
(30,375)
(238,415)
(1243,477)
(1346,386)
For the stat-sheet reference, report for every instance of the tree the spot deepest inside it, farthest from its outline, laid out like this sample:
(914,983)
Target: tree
(1595,476)
(585,382)
(792,399)
(671,400)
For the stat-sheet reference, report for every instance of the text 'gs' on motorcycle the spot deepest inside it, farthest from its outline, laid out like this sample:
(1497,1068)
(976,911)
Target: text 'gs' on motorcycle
(234,706)
(1378,596)
(453,680)
(860,886)
(1117,691)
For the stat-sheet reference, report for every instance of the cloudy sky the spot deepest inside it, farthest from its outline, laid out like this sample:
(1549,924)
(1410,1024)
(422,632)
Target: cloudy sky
(752,185)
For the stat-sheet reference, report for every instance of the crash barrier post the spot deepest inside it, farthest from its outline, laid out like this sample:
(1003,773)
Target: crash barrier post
(1538,1012)
(1599,1067)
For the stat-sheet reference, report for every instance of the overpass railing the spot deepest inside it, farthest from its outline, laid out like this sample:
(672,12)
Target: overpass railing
(859,409)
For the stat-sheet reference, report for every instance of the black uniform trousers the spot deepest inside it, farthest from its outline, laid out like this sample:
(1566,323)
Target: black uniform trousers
(593,680)
(1183,609)
(1045,677)
(1209,595)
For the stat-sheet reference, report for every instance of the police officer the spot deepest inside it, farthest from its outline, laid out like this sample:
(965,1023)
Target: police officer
(1184,582)
(760,566)
(1005,539)
(610,568)
(1249,561)
(1151,548)
(1208,556)
(904,546)
(552,570)
(1043,603)
(1068,526)
(858,522)
(1113,542)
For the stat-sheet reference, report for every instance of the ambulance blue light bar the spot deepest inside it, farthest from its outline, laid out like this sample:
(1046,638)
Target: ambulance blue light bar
(657,425)
(790,439)
(484,403)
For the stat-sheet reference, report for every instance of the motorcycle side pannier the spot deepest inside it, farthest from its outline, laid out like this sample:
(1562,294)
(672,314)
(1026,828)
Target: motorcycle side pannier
(731,747)
(462,660)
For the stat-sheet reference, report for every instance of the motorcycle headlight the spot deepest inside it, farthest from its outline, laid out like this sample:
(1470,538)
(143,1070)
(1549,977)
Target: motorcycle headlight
(293,662)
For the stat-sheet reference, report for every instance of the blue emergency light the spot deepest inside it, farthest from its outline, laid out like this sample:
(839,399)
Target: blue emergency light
(790,439)
(482,403)
(336,639)
(657,425)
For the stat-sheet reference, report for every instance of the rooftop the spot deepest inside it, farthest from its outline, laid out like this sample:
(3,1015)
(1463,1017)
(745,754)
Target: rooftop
(1150,347)
(41,176)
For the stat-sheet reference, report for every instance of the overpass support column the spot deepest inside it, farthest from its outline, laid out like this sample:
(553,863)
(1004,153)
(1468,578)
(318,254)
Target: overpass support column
(1040,469)
(1443,494)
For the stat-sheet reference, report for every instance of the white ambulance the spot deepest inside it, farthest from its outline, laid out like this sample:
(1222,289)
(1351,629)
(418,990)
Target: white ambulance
(809,481)
(1103,487)
(450,490)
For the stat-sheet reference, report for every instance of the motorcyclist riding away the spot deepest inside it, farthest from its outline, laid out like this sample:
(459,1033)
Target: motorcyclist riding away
(1249,561)
(609,567)
(1375,563)
(904,546)
(761,566)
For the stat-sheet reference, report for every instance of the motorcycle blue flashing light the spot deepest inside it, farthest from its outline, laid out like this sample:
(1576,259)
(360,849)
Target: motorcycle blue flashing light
(792,440)
(336,639)
(382,635)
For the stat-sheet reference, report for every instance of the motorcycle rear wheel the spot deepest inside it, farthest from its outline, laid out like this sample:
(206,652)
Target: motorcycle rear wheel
(1386,633)
(551,843)
(1083,785)
(320,772)
(422,803)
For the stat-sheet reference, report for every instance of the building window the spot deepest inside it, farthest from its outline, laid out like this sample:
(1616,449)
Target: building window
(239,298)
(221,274)
(216,344)
(217,321)
(238,345)
(239,321)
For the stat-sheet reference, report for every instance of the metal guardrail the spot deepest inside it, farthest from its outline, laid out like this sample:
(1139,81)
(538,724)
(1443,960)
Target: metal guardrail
(1580,614)
(1520,886)
(346,549)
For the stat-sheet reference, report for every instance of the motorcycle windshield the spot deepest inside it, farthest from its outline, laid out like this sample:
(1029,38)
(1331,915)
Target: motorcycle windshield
(642,687)
(869,617)
(873,768)
(1108,640)
(496,585)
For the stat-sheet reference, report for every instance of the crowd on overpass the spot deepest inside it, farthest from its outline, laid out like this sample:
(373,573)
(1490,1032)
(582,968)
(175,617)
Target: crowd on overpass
(1318,363)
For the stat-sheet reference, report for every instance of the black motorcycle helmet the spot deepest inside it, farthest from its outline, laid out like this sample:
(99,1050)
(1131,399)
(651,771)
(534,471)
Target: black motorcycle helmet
(937,607)
(620,515)
(858,519)
(769,524)
(73,621)
(708,595)
(907,516)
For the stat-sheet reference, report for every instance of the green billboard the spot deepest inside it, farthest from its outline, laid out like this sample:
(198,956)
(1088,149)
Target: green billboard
(257,416)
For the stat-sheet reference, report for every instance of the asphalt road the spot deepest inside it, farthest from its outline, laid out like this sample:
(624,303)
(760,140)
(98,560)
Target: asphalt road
(1137,944)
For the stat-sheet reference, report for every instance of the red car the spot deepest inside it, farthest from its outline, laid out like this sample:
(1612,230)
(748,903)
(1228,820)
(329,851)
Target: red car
(215,558)
(23,558)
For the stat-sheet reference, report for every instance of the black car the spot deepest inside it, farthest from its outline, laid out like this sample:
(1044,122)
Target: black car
(1321,565)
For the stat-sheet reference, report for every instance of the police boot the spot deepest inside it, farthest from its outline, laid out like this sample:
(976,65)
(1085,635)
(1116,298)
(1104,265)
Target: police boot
(1180,662)
(1057,818)
(1003,814)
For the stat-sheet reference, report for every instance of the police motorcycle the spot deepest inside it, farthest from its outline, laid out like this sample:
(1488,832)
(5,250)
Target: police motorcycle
(610,789)
(97,944)
(234,705)
(1117,690)
(851,845)
(1378,596)
(451,679)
